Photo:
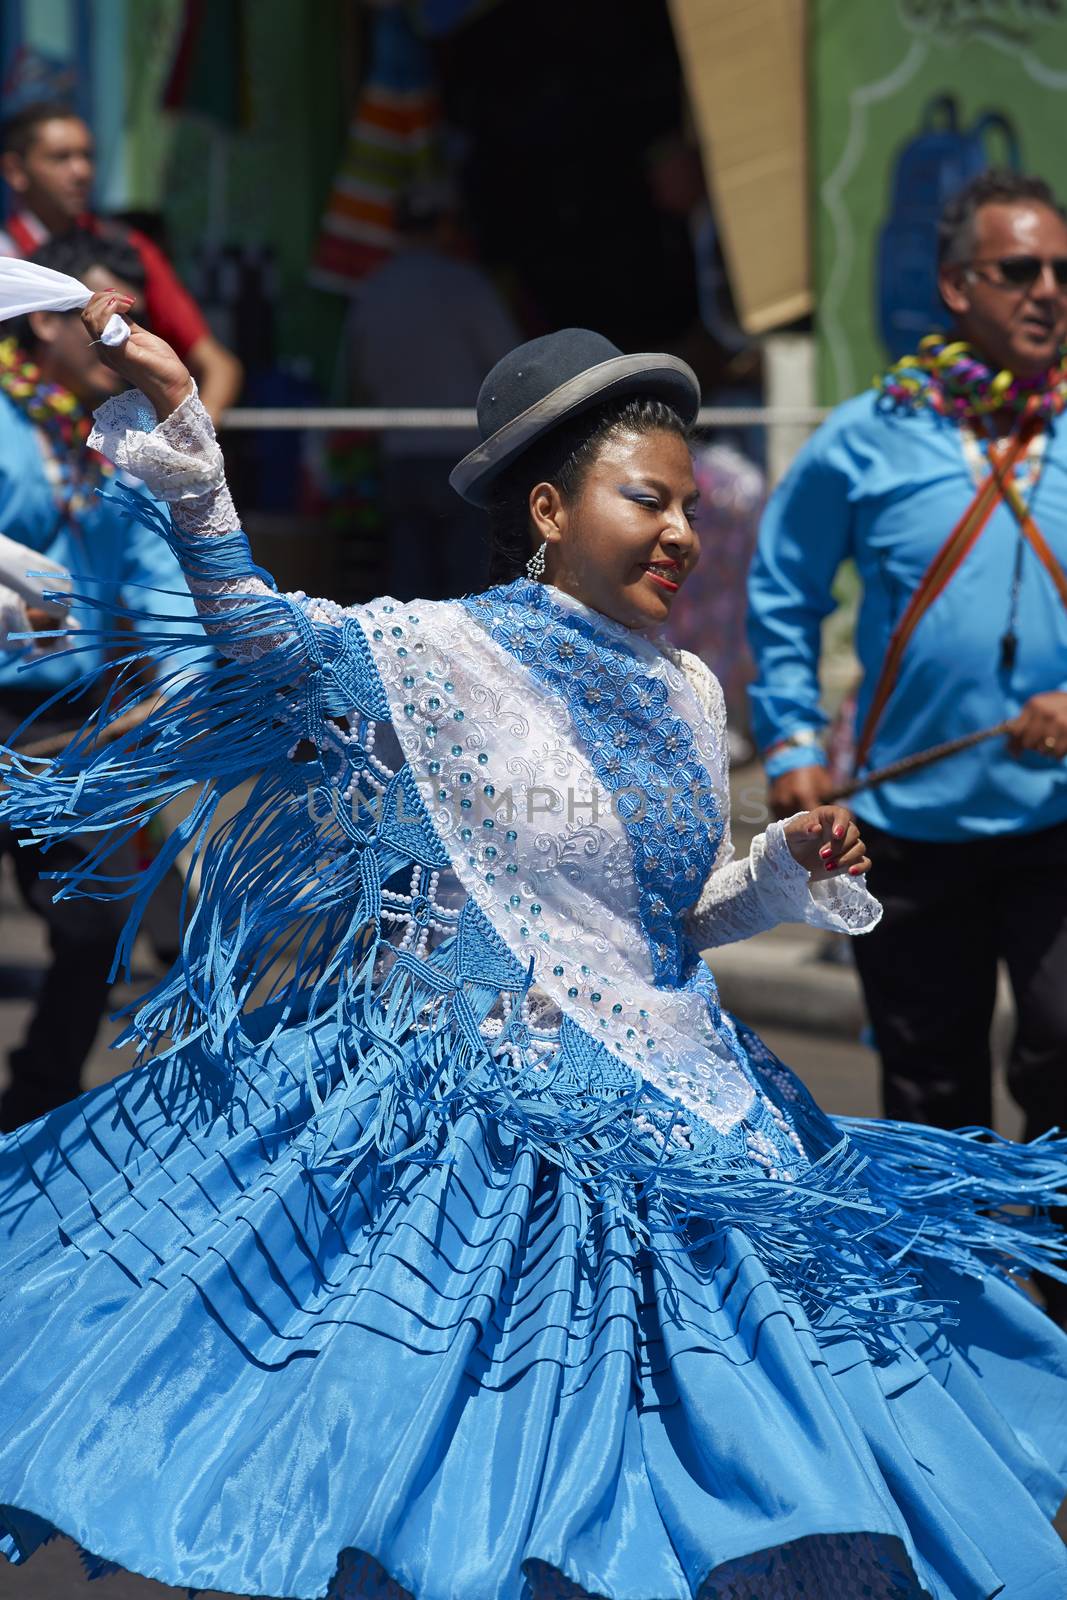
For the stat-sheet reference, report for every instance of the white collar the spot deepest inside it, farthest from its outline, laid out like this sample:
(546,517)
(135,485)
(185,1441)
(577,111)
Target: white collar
(599,619)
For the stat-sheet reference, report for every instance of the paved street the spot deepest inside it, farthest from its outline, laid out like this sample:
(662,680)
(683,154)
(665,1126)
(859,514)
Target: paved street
(839,1070)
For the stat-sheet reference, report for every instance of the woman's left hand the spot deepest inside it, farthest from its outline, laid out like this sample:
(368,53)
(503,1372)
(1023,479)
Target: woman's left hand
(827,842)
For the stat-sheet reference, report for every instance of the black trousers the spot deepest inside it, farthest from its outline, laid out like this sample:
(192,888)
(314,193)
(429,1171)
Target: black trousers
(929,973)
(45,1069)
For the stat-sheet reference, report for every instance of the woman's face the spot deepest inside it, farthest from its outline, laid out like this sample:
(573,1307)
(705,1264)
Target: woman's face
(625,544)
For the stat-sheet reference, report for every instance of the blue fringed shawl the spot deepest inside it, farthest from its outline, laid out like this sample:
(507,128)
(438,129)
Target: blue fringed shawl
(295,933)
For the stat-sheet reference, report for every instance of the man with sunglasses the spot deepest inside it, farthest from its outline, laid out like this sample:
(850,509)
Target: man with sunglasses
(947,486)
(50,381)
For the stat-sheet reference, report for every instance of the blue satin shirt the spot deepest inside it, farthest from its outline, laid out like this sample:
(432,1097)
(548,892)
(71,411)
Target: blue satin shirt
(886,488)
(105,550)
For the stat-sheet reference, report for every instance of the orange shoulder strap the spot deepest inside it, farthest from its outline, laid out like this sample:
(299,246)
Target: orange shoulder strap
(997,485)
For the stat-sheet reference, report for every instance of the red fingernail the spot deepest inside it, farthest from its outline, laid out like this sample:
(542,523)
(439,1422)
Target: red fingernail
(839,832)
(855,871)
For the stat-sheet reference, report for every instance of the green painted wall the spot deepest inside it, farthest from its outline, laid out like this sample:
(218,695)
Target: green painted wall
(266,181)
(876,67)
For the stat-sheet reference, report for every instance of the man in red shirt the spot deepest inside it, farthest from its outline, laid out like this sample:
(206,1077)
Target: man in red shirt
(47,163)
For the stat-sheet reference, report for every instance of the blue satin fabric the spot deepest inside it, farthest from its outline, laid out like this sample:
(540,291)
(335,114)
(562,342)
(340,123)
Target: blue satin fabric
(222,1371)
(322,1288)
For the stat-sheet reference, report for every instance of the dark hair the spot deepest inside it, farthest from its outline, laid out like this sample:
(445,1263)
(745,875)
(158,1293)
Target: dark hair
(956,227)
(79,250)
(19,130)
(76,253)
(563,457)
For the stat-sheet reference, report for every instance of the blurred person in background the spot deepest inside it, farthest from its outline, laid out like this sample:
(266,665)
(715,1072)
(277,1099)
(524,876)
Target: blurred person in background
(727,360)
(947,486)
(708,616)
(50,380)
(47,162)
(675,174)
(427,326)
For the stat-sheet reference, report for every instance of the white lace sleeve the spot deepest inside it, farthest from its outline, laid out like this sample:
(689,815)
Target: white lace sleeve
(741,898)
(180,461)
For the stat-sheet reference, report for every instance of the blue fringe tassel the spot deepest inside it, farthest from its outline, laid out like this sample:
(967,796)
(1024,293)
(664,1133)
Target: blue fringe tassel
(956,1197)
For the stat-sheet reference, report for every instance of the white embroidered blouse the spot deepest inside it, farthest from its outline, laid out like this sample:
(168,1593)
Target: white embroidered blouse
(543,738)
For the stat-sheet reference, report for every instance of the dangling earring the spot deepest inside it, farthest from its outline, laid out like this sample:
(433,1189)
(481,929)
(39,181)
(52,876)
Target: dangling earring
(535,567)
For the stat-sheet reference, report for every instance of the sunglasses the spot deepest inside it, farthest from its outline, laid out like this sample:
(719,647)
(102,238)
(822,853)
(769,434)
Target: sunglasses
(1022,272)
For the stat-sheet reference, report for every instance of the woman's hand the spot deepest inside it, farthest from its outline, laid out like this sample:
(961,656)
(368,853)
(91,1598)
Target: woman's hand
(827,842)
(145,362)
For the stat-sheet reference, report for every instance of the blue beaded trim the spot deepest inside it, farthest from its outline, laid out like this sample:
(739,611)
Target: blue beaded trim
(643,755)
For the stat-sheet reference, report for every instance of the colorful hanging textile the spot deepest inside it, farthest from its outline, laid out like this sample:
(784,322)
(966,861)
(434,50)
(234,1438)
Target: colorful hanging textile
(209,74)
(392,142)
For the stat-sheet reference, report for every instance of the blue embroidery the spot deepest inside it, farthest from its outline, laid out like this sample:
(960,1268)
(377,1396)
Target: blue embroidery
(642,754)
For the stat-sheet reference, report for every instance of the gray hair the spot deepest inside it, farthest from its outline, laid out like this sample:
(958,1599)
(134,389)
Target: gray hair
(957,226)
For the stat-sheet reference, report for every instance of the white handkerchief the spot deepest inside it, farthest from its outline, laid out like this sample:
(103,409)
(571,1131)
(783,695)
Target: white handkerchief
(26,287)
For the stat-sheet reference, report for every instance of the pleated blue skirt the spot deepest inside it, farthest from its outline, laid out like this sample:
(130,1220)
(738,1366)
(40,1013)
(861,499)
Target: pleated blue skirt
(454,1379)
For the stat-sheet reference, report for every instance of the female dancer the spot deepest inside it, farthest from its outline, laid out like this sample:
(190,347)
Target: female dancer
(451,1241)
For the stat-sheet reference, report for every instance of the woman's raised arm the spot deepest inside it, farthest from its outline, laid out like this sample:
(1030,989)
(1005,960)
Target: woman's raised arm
(160,433)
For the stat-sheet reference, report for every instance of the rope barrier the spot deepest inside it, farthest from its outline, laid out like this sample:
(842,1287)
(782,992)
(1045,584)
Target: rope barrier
(376,418)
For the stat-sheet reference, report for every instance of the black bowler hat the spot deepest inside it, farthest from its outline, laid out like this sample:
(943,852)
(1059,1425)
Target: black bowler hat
(551,379)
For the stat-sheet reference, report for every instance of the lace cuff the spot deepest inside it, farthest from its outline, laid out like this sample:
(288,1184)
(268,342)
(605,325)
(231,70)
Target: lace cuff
(842,905)
(178,459)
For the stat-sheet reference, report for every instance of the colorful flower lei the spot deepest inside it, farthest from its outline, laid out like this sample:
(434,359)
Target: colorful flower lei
(64,420)
(948,377)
